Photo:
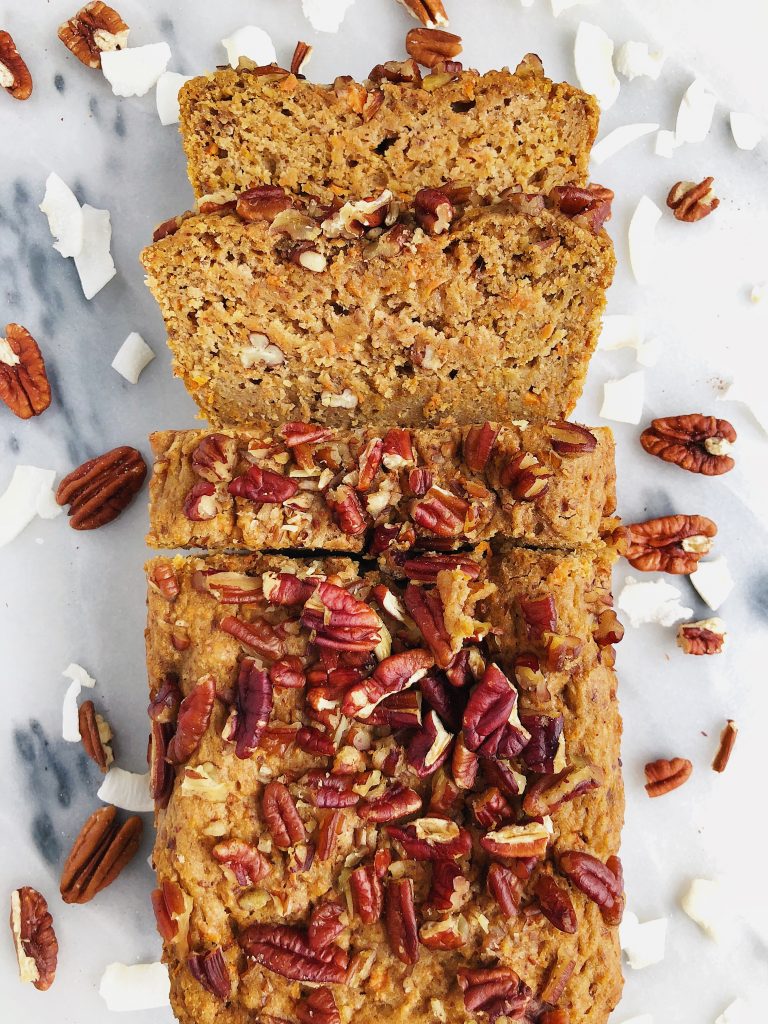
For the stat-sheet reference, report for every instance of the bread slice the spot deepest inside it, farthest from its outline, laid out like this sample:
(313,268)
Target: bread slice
(251,127)
(494,318)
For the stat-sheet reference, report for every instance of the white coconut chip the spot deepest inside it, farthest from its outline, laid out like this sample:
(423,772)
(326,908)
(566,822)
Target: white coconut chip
(70,726)
(643,944)
(326,15)
(127,790)
(623,398)
(665,144)
(624,331)
(749,391)
(65,218)
(616,140)
(694,116)
(593,55)
(646,601)
(125,987)
(713,582)
(94,263)
(737,1013)
(133,71)
(635,60)
(642,232)
(29,494)
(132,357)
(757,292)
(558,6)
(251,42)
(167,96)
(746,130)
(704,902)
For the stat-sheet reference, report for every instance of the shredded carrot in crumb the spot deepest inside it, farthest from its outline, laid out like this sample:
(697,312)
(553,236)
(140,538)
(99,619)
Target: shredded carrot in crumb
(547,331)
(288,84)
(274,281)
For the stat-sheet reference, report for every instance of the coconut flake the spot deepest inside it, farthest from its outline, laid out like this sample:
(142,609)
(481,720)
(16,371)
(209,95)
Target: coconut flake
(127,790)
(133,71)
(346,400)
(746,130)
(623,398)
(665,144)
(694,116)
(132,357)
(95,265)
(642,231)
(29,494)
(619,138)
(558,6)
(652,601)
(705,904)
(737,1013)
(643,944)
(635,60)
(326,15)
(624,331)
(70,725)
(593,54)
(167,96)
(126,987)
(749,391)
(251,42)
(757,292)
(713,581)
(65,218)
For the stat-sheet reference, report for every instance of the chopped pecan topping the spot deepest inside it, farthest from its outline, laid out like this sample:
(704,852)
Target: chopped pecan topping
(286,951)
(24,383)
(431,46)
(596,880)
(447,933)
(430,747)
(210,969)
(555,904)
(215,457)
(37,950)
(202,502)
(525,477)
(704,637)
(100,852)
(725,749)
(300,59)
(434,210)
(429,12)
(663,776)
(396,72)
(96,735)
(99,490)
(14,73)
(263,487)
(672,544)
(698,443)
(690,201)
(244,861)
(192,720)
(570,439)
(400,920)
(263,202)
(95,29)
(318,1007)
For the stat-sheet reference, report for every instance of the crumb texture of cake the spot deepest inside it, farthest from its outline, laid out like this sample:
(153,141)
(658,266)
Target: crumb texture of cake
(386,792)
(309,487)
(243,128)
(495,317)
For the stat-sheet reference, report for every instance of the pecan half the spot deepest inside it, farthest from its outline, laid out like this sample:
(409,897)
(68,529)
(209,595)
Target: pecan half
(396,802)
(396,72)
(215,457)
(478,445)
(282,816)
(210,969)
(391,675)
(430,46)
(367,893)
(24,383)
(555,904)
(301,56)
(698,443)
(433,209)
(263,487)
(163,577)
(550,792)
(192,720)
(245,862)
(690,201)
(513,841)
(319,1007)
(495,991)
(489,721)
(258,635)
(95,29)
(36,947)
(432,839)
(672,544)
(263,202)
(14,73)
(596,880)
(449,888)
(506,888)
(430,747)
(429,12)
(590,206)
(525,477)
(100,852)
(704,637)
(99,490)
(569,439)
(95,734)
(663,776)
(286,951)
(725,749)
(400,920)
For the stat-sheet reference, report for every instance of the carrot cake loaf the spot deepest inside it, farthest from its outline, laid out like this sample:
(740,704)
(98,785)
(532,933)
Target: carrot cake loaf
(309,487)
(398,130)
(450,310)
(390,794)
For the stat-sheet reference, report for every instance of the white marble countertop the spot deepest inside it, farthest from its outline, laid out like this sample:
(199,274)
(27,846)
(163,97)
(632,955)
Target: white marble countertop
(68,597)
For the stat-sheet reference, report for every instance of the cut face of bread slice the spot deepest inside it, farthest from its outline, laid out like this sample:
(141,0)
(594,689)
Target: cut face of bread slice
(312,314)
(247,127)
(308,487)
(338,807)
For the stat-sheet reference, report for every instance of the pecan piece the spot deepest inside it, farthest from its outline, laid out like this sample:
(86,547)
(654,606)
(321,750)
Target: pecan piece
(367,893)
(596,880)
(245,862)
(496,991)
(286,951)
(672,544)
(663,776)
(447,933)
(215,457)
(449,888)
(160,772)
(430,747)
(163,577)
(24,383)
(704,637)
(400,920)
(95,29)
(590,206)
(263,487)
(282,816)
(192,721)
(258,635)
(506,888)
(96,735)
(432,839)
(525,477)
(570,439)
(464,764)
(546,732)
(425,568)
(201,502)
(551,791)
(555,904)
(513,841)
(326,923)
(490,808)
(431,46)
(478,445)
(391,675)
(301,56)
(99,490)
(14,73)
(429,12)
(36,947)
(210,969)
(490,726)
(426,609)
(725,749)
(100,852)
(288,673)
(690,201)
(396,802)
(433,209)
(319,1007)
(340,621)
(698,443)
(396,72)
(263,202)
(347,511)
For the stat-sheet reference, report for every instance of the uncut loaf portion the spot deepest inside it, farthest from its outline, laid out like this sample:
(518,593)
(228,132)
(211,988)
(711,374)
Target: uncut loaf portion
(376,313)
(309,487)
(264,126)
(415,859)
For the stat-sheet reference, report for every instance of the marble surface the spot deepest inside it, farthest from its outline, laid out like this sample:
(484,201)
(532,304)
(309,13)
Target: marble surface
(72,597)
